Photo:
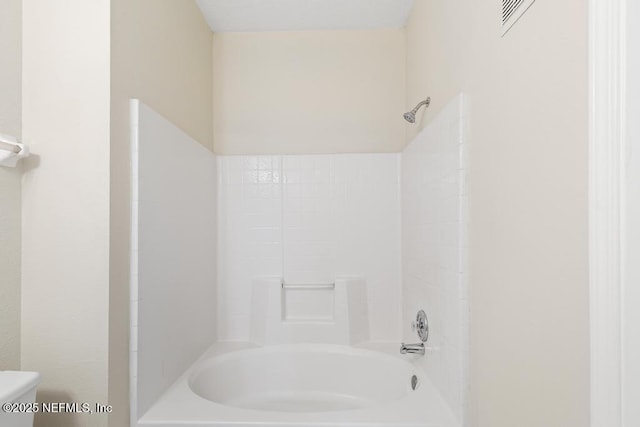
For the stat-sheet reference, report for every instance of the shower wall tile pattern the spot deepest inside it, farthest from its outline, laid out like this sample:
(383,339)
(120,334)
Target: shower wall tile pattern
(309,218)
(250,239)
(310,232)
(434,248)
(173,254)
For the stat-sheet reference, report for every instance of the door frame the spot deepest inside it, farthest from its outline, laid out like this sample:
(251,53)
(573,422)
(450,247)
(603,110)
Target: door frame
(607,145)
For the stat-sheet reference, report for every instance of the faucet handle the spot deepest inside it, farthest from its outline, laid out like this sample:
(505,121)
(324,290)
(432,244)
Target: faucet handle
(421,326)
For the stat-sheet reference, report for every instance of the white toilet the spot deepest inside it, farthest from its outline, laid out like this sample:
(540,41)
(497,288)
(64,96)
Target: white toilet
(17,387)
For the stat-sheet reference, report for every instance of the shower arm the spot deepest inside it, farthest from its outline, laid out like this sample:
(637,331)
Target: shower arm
(420,104)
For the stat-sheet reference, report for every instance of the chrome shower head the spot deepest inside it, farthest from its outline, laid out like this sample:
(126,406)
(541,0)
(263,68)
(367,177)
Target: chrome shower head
(411,115)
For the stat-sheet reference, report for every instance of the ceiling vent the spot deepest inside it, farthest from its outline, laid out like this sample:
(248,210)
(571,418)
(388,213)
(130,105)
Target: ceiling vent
(512,10)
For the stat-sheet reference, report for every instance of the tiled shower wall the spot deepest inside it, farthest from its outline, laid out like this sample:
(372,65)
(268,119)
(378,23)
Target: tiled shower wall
(173,254)
(434,245)
(309,218)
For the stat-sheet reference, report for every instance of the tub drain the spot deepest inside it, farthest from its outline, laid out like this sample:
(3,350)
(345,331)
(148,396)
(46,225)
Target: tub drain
(414,382)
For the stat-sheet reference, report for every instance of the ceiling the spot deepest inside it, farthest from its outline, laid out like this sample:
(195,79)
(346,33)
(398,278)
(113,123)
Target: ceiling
(298,15)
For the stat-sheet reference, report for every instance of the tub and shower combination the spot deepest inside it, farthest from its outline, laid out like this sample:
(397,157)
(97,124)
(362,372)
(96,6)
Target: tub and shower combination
(310,357)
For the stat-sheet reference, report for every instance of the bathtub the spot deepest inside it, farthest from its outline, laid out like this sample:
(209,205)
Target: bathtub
(301,385)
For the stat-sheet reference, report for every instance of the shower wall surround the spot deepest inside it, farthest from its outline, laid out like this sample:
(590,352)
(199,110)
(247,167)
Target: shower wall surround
(173,273)
(309,218)
(434,248)
(204,227)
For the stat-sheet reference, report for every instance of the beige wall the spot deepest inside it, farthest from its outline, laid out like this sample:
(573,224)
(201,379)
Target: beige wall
(309,92)
(161,53)
(10,124)
(528,198)
(65,203)
(439,55)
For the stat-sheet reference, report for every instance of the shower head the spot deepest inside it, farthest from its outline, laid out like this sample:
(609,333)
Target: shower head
(411,115)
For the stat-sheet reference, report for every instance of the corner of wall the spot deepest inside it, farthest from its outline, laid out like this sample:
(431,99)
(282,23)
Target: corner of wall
(10,184)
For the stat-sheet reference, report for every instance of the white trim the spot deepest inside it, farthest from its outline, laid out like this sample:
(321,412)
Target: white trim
(607,35)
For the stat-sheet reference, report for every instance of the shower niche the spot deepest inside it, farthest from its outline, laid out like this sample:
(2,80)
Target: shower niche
(330,313)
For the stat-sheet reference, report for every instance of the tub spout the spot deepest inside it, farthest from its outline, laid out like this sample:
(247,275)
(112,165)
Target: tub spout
(412,348)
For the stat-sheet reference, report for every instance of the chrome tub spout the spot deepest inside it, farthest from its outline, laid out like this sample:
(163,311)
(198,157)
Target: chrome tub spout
(412,348)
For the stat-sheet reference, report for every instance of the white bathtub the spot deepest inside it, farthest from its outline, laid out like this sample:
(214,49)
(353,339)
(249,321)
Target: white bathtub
(242,385)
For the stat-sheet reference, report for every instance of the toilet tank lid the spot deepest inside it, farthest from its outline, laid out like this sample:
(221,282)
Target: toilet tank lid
(14,384)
